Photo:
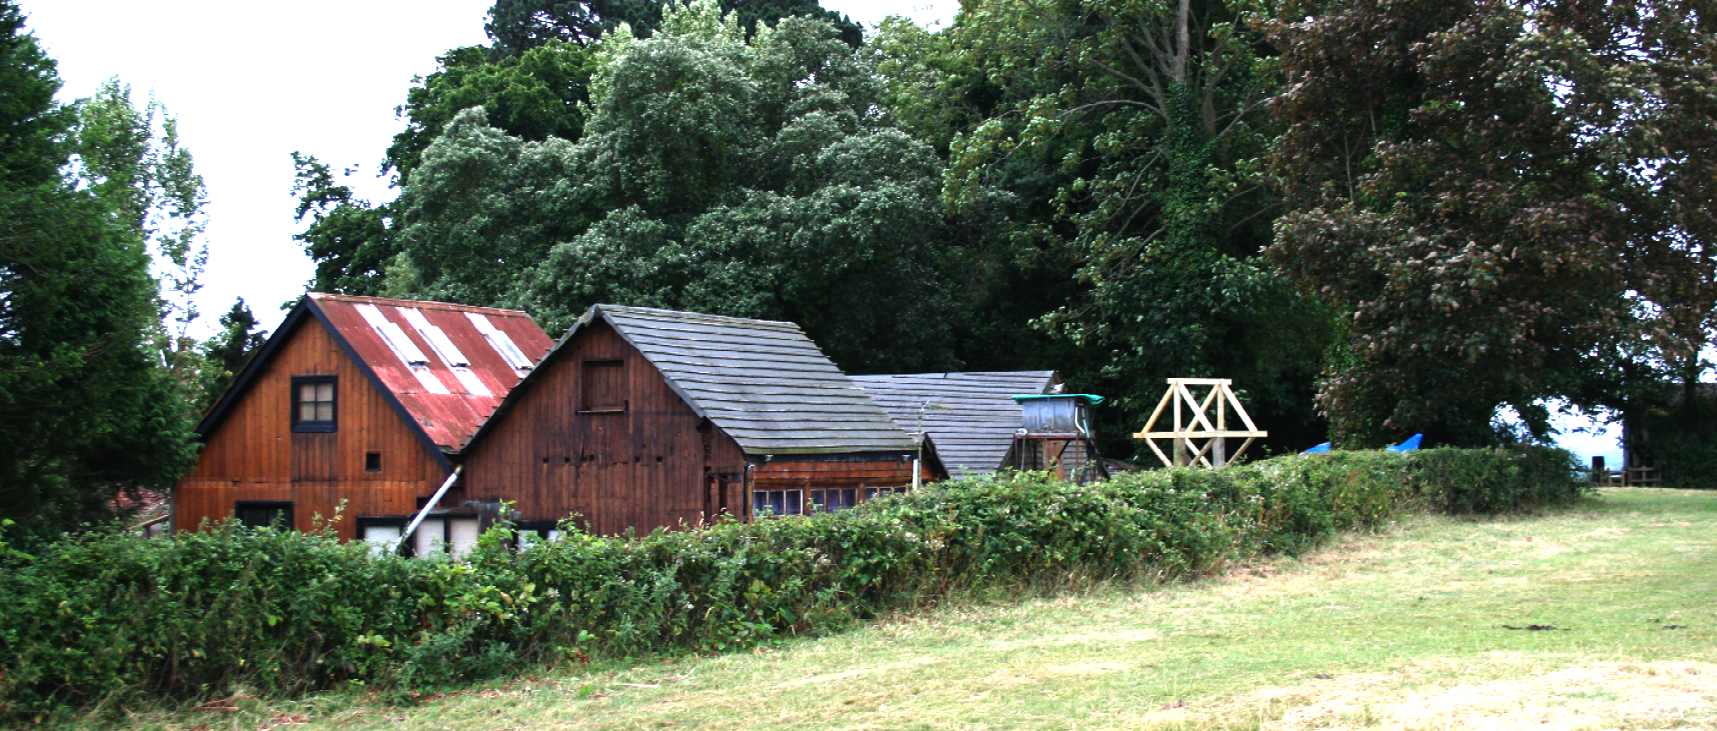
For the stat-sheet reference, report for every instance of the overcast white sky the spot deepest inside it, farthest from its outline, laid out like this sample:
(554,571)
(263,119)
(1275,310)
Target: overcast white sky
(252,82)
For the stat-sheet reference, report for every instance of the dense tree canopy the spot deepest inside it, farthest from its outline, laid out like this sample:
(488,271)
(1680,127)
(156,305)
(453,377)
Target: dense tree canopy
(716,171)
(1401,216)
(516,26)
(1480,187)
(87,407)
(1136,128)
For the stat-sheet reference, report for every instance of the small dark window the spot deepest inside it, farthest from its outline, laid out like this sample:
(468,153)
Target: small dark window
(834,498)
(313,403)
(264,514)
(372,461)
(604,387)
(777,502)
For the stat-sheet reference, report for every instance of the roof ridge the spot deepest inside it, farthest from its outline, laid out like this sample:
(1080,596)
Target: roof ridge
(697,316)
(947,374)
(424,304)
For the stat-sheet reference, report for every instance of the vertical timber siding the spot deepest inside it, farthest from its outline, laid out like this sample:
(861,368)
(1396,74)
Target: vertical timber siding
(646,465)
(255,456)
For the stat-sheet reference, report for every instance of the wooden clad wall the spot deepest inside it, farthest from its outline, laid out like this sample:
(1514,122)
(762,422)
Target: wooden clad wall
(254,455)
(868,471)
(647,464)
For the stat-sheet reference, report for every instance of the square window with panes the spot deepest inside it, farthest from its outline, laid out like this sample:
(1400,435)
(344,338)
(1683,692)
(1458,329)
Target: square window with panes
(834,498)
(313,404)
(777,502)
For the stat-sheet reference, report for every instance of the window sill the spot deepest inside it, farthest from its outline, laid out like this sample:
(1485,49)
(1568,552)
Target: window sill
(601,411)
(313,428)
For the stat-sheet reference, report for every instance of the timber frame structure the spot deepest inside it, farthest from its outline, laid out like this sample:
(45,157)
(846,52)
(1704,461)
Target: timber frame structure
(1196,439)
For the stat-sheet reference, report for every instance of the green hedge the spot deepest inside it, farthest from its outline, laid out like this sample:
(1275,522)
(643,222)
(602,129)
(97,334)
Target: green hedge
(108,619)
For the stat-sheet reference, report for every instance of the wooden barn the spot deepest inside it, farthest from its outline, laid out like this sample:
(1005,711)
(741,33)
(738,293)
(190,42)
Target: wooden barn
(359,401)
(971,417)
(643,418)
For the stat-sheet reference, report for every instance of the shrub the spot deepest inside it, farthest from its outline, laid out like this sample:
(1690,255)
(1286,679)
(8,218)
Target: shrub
(108,617)
(1687,459)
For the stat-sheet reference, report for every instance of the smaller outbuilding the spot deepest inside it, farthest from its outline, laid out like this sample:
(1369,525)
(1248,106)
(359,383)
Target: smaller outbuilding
(644,418)
(971,417)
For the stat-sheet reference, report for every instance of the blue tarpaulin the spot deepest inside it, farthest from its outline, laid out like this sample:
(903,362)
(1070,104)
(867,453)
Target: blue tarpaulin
(1411,444)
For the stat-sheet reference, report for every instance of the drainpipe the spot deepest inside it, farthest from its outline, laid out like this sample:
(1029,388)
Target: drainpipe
(421,514)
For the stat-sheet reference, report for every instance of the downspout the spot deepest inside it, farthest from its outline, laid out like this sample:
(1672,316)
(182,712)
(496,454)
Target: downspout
(918,464)
(428,506)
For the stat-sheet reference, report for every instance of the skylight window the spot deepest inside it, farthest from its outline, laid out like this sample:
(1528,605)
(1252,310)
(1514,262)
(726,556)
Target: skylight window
(437,339)
(446,350)
(402,347)
(502,344)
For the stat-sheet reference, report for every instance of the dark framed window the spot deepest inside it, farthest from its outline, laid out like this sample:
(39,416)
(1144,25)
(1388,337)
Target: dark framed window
(313,403)
(777,502)
(264,514)
(874,492)
(372,461)
(603,387)
(834,498)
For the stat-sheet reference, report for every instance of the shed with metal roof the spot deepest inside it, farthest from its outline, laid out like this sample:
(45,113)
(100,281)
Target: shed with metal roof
(360,401)
(641,418)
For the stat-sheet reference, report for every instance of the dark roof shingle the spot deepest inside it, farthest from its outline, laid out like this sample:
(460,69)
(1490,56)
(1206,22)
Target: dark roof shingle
(761,381)
(971,417)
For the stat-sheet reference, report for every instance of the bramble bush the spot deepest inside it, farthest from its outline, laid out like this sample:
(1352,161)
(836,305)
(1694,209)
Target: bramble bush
(106,619)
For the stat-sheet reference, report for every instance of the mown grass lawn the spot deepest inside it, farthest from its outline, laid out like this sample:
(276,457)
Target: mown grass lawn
(1600,616)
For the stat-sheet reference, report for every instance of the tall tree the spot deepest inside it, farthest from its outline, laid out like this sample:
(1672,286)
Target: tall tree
(1459,189)
(134,162)
(716,171)
(348,238)
(1137,128)
(87,408)
(516,26)
(229,350)
(535,95)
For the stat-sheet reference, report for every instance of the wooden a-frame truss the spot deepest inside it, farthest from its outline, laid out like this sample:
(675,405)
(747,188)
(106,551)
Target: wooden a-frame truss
(1196,439)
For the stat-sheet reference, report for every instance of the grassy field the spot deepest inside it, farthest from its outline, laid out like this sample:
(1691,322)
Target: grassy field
(1602,616)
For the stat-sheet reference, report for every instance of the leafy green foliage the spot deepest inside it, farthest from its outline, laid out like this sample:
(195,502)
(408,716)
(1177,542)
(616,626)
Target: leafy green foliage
(87,408)
(1473,185)
(1136,130)
(535,95)
(740,175)
(517,26)
(107,616)
(347,237)
(132,160)
(228,351)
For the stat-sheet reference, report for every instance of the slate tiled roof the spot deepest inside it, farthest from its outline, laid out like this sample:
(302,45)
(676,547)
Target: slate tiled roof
(761,381)
(971,417)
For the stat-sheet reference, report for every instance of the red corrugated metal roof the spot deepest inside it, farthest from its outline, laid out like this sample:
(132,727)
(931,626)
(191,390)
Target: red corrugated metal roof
(470,393)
